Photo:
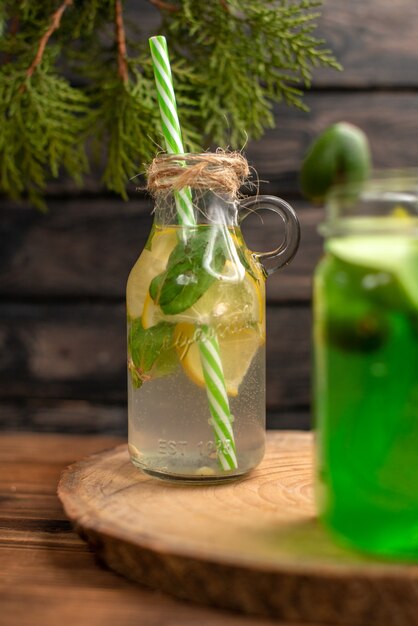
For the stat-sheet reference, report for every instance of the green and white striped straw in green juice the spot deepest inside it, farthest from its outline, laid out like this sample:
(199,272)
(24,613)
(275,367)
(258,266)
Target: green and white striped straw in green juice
(210,357)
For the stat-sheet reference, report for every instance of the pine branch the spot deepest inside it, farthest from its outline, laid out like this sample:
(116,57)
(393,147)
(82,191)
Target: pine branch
(125,115)
(43,119)
(41,131)
(232,60)
(54,25)
(121,42)
(255,54)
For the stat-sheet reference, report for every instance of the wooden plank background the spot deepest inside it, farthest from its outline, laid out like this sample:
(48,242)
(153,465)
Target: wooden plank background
(62,275)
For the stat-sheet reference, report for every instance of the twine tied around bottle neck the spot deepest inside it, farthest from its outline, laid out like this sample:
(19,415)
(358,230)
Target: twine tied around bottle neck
(223,172)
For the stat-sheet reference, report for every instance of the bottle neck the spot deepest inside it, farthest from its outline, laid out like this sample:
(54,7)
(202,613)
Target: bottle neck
(384,204)
(204,207)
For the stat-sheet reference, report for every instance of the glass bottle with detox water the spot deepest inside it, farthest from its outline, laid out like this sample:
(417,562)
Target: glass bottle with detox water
(196,339)
(366,365)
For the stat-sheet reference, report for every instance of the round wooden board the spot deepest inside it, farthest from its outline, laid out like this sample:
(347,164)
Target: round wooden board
(253,545)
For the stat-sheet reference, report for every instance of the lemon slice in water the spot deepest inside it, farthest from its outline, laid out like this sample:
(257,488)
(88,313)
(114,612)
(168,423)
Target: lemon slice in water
(237,350)
(234,313)
(150,264)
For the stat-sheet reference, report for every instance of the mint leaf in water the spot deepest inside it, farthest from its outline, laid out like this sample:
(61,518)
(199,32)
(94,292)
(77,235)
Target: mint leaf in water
(151,351)
(185,279)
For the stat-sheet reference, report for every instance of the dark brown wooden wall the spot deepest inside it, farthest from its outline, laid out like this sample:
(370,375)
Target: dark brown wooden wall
(62,275)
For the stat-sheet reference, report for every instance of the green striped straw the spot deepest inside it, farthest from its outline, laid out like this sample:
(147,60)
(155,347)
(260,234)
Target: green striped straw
(210,358)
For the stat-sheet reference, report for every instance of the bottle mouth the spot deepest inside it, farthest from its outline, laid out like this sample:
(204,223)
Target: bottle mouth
(385,203)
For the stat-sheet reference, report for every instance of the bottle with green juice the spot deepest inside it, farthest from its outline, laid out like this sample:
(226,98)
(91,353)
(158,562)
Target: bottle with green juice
(366,365)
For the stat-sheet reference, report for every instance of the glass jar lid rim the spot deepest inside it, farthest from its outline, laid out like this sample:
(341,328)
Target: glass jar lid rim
(383,179)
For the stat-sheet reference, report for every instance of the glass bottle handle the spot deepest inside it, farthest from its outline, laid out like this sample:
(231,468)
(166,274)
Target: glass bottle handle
(288,247)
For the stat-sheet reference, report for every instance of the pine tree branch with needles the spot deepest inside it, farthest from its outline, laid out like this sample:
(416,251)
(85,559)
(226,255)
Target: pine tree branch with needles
(76,74)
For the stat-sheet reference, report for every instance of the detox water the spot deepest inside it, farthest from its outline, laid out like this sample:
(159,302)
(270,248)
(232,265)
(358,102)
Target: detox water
(172,433)
(183,443)
(366,389)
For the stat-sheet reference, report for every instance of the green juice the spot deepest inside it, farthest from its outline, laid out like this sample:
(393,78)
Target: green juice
(366,391)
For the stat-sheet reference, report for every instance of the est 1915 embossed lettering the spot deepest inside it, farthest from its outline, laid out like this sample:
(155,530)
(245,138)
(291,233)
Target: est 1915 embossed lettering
(210,449)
